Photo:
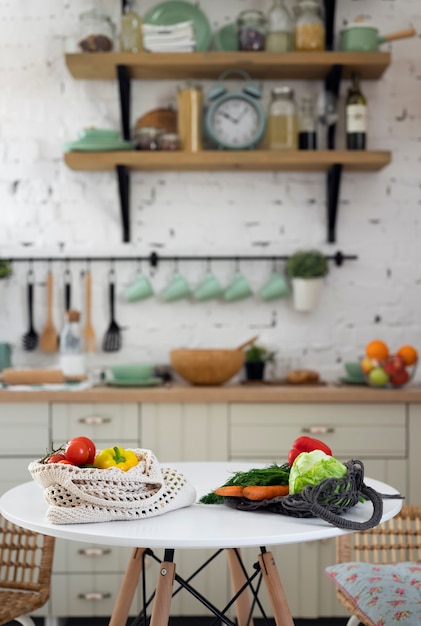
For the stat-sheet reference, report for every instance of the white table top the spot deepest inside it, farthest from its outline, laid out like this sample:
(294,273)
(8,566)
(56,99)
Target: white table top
(198,526)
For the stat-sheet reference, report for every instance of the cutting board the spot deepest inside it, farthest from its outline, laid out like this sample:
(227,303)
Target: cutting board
(12,376)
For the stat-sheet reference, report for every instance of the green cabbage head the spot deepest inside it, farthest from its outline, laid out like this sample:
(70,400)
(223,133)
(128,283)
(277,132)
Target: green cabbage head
(309,468)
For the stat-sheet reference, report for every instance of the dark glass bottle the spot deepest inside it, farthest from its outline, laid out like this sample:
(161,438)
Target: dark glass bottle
(356,116)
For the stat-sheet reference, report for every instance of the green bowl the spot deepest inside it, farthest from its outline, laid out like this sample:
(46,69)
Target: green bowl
(134,371)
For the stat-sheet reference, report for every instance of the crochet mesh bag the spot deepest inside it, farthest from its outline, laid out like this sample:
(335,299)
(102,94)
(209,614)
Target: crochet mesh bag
(328,500)
(76,495)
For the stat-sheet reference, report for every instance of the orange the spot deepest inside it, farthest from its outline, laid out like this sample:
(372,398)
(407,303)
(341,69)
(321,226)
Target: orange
(408,354)
(377,349)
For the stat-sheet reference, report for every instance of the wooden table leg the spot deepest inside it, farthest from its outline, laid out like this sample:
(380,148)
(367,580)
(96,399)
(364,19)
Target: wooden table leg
(238,578)
(127,590)
(164,588)
(275,589)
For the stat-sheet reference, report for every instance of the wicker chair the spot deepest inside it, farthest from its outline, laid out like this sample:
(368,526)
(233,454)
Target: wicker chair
(395,541)
(26,560)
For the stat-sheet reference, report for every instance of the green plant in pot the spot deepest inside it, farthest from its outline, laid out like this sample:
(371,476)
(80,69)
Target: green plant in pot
(306,269)
(256,357)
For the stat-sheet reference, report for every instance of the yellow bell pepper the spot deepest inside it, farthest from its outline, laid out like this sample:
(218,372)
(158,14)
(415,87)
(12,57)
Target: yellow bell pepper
(116,457)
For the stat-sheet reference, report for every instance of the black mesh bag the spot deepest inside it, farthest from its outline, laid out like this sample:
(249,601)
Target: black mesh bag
(328,500)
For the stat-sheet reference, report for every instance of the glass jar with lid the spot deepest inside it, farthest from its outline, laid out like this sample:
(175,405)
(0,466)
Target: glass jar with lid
(282,123)
(252,28)
(97,32)
(309,30)
(146,138)
(279,37)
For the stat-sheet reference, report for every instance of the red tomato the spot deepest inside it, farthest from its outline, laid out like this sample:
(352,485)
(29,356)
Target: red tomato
(77,452)
(56,458)
(91,447)
(65,462)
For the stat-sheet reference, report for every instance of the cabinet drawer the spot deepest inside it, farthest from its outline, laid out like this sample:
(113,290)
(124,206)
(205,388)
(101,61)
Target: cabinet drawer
(103,423)
(23,429)
(267,431)
(86,595)
(73,556)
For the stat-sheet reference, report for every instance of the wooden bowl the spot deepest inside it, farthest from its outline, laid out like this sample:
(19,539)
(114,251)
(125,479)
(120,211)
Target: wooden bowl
(207,366)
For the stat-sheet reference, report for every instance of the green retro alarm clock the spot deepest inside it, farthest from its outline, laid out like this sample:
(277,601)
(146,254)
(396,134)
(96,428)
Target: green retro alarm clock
(235,120)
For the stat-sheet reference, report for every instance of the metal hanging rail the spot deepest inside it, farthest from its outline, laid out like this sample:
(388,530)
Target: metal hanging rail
(154,258)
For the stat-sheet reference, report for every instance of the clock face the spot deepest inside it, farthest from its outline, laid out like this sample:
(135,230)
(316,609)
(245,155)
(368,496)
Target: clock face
(235,122)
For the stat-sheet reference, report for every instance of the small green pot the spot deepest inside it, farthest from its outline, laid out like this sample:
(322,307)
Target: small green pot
(365,38)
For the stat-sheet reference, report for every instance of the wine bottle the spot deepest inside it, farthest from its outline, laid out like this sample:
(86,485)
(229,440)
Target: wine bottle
(356,116)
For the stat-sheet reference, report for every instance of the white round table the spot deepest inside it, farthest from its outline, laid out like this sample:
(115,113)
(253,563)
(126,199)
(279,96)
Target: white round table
(198,526)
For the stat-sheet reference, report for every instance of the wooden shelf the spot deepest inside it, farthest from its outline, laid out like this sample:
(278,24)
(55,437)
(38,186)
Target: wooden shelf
(209,65)
(210,160)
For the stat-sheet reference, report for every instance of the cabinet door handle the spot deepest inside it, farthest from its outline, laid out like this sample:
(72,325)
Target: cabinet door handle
(93,552)
(94,596)
(94,420)
(318,430)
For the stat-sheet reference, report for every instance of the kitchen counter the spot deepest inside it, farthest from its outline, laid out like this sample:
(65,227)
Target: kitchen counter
(177,393)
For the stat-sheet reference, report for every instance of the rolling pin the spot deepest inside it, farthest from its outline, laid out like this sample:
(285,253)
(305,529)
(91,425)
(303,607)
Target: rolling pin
(12,376)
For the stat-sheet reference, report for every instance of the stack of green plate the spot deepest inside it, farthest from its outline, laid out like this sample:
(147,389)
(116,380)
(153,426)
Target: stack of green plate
(98,140)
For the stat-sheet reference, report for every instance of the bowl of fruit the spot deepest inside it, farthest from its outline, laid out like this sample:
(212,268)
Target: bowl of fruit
(386,369)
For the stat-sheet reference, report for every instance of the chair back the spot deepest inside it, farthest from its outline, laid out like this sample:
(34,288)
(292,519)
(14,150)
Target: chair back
(397,540)
(26,559)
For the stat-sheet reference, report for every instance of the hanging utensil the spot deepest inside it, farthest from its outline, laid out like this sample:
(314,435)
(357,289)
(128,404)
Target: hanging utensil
(30,338)
(49,338)
(112,338)
(67,289)
(88,330)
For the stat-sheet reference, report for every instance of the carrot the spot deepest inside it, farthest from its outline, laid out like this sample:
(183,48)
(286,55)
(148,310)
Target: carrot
(267,492)
(233,491)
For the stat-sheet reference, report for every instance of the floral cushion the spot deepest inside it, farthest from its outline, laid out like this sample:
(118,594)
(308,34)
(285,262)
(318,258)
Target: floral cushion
(385,594)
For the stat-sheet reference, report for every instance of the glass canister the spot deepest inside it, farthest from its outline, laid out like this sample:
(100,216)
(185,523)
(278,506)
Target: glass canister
(279,37)
(169,141)
(189,117)
(251,28)
(146,138)
(282,123)
(309,30)
(307,124)
(97,32)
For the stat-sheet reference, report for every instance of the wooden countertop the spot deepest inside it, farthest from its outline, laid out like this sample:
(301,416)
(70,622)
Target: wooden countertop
(330,393)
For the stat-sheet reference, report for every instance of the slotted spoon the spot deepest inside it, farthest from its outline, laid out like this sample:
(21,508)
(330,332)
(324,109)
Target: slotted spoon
(49,338)
(88,330)
(30,338)
(112,338)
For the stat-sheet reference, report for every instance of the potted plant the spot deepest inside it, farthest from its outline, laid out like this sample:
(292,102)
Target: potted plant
(255,361)
(5,272)
(306,269)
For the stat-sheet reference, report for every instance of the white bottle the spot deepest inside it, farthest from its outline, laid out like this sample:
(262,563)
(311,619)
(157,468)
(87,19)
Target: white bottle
(279,37)
(72,354)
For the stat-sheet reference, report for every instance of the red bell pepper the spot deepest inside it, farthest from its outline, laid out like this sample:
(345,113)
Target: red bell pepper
(306,444)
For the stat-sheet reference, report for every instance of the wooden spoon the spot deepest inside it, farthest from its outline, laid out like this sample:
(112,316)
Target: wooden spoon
(49,339)
(88,331)
(248,343)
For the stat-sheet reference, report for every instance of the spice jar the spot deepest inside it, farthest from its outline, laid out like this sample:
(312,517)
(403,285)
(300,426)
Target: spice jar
(282,123)
(309,30)
(146,138)
(251,27)
(169,141)
(96,32)
(189,117)
(280,28)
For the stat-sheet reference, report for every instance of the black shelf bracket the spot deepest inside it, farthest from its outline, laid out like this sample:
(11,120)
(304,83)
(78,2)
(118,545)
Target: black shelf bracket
(334,174)
(123,176)
(333,187)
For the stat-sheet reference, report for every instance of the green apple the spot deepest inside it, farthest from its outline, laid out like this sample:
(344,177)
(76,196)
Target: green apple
(378,377)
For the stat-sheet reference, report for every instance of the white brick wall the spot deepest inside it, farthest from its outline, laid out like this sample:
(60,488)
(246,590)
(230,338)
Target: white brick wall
(47,209)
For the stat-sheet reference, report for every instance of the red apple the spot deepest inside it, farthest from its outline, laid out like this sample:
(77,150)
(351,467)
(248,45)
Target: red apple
(394,364)
(399,378)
